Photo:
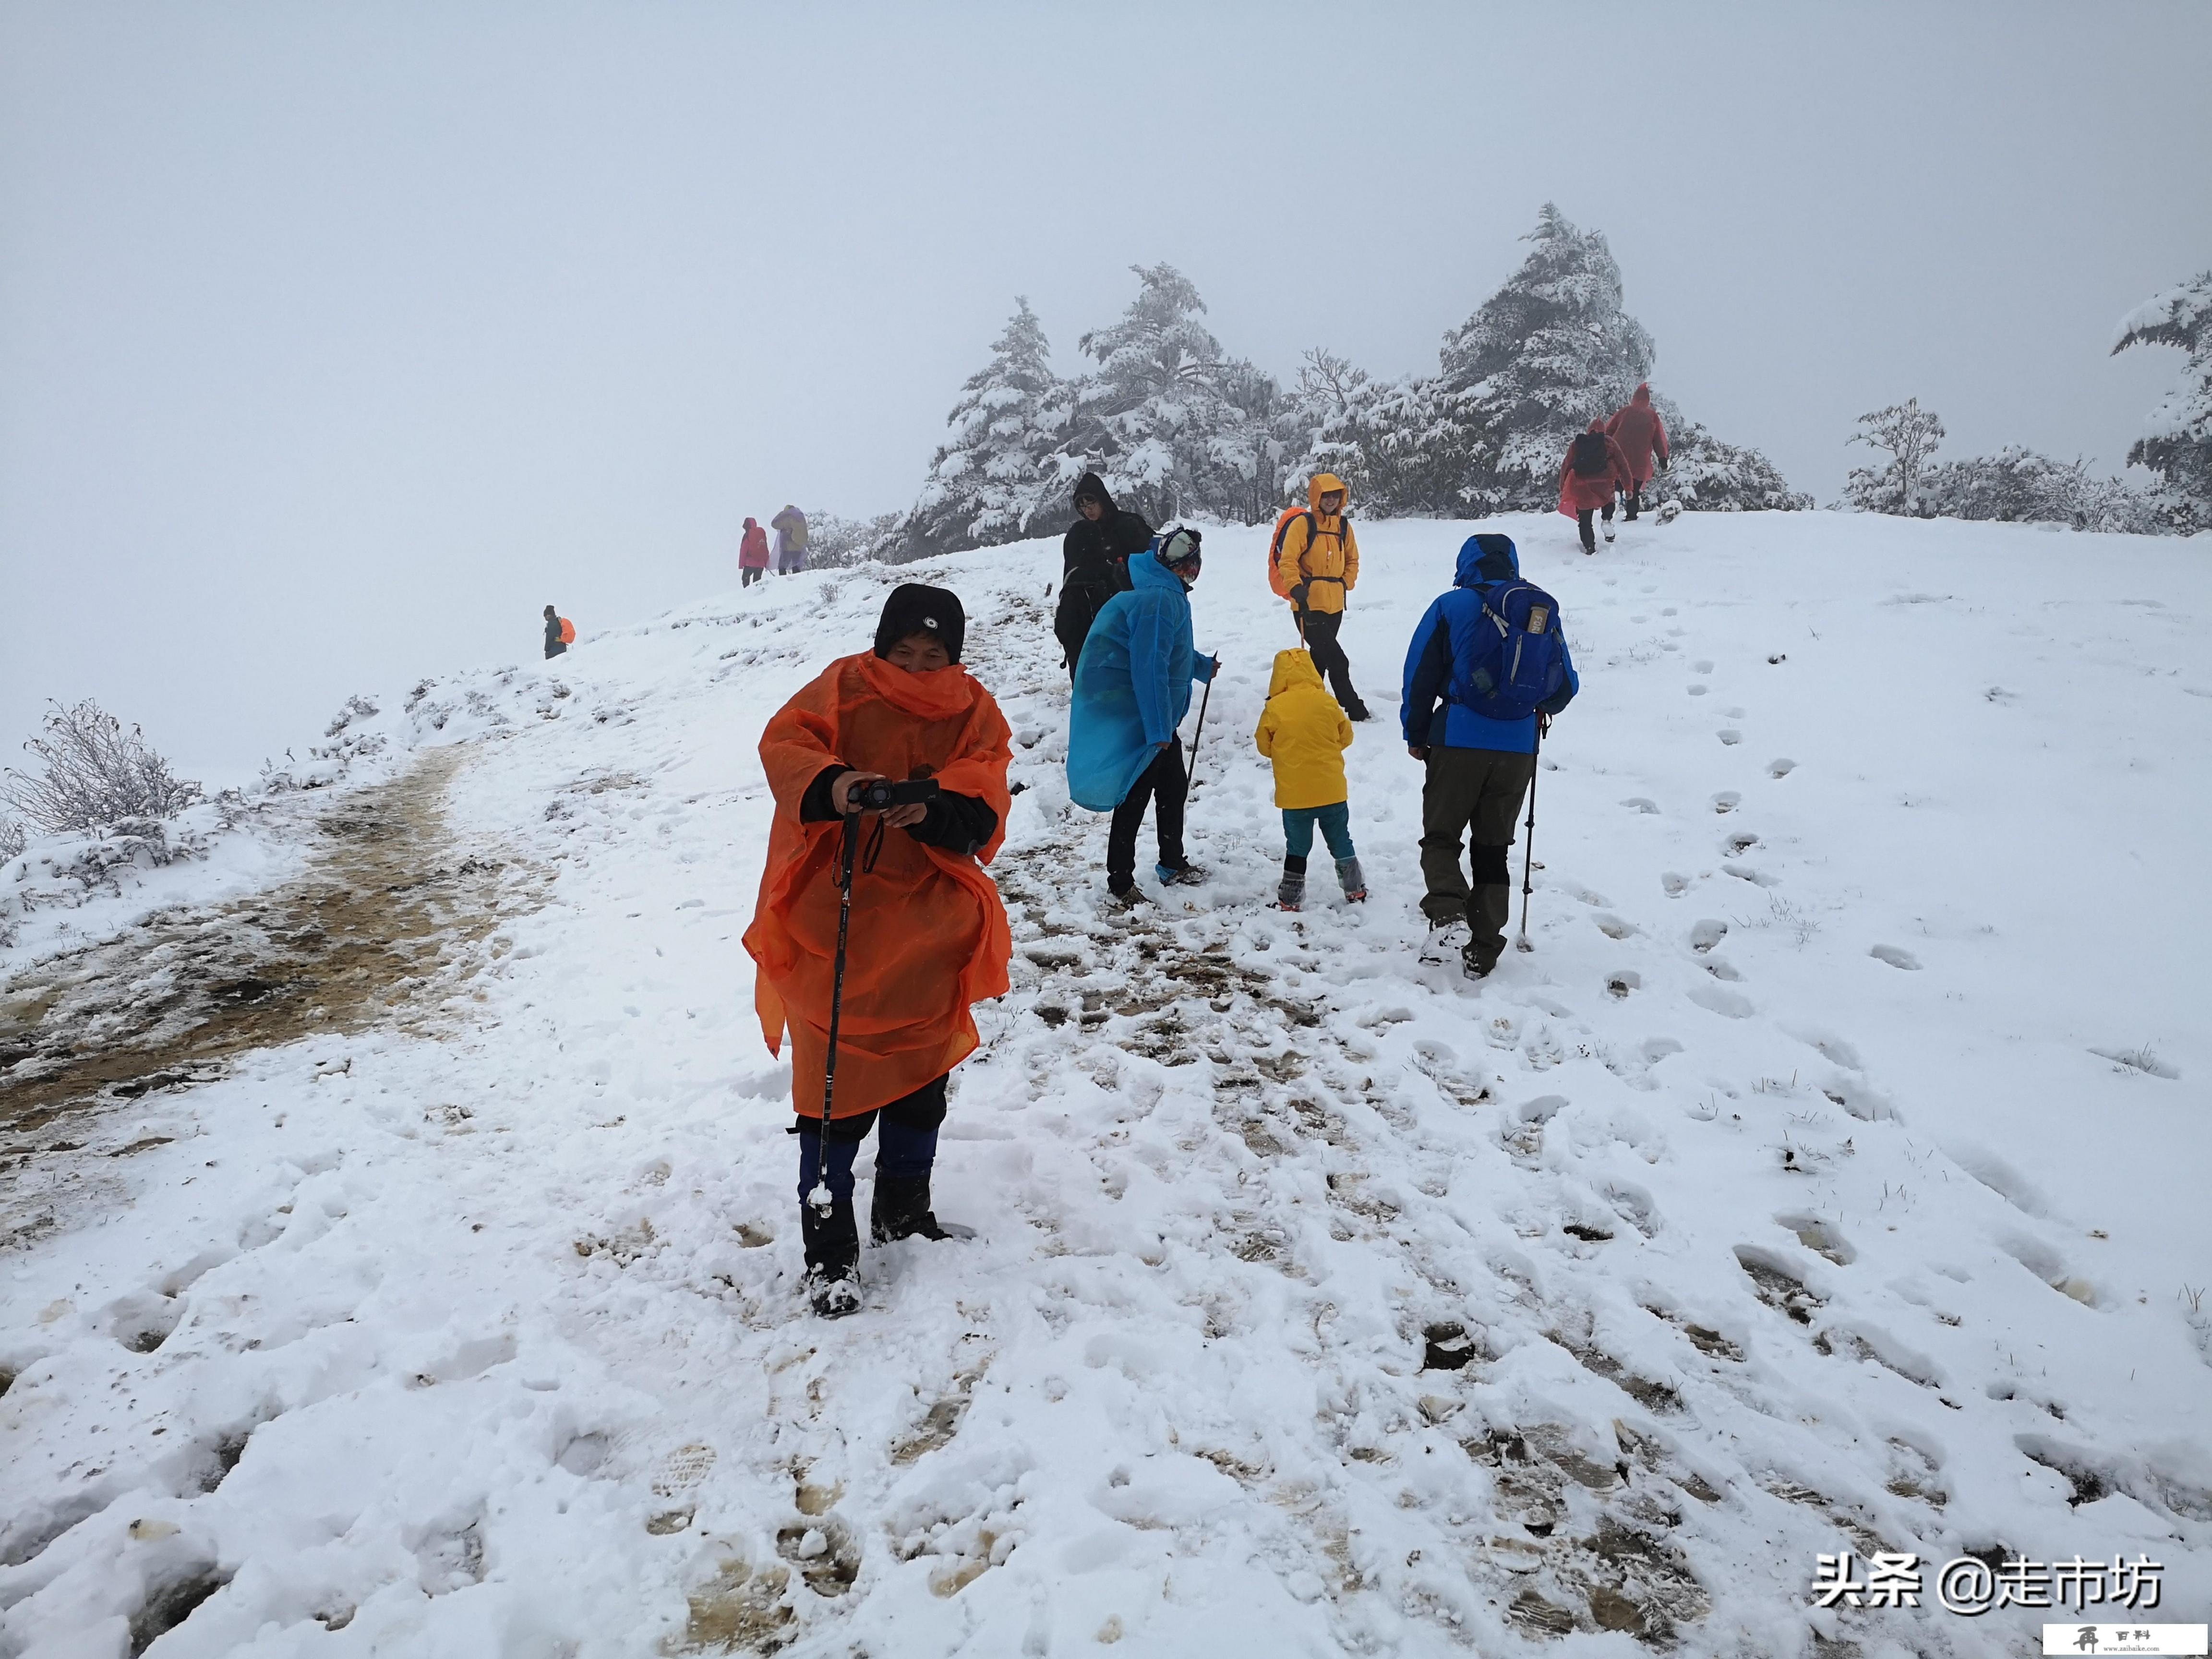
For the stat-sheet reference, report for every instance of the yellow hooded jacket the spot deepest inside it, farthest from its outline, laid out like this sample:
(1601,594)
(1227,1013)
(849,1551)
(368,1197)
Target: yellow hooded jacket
(1304,733)
(1321,552)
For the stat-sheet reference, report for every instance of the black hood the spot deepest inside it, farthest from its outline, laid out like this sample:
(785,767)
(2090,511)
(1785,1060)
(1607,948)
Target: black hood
(1091,487)
(914,607)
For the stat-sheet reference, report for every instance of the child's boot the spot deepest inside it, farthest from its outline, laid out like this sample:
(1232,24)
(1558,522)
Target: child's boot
(1290,891)
(1349,877)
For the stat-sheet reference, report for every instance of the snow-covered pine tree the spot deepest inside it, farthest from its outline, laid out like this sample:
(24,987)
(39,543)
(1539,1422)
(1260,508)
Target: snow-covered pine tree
(2176,441)
(1546,355)
(1909,435)
(997,478)
(1171,425)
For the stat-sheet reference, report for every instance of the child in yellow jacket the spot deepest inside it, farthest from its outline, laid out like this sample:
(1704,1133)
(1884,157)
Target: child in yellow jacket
(1305,734)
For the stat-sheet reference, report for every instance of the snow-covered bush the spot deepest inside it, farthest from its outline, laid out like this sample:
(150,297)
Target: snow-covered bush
(1705,473)
(833,542)
(13,839)
(2018,485)
(94,773)
(1908,435)
(2176,440)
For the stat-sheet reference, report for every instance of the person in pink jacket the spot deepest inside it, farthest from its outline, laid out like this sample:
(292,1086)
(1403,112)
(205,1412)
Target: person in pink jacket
(1641,435)
(752,555)
(1594,469)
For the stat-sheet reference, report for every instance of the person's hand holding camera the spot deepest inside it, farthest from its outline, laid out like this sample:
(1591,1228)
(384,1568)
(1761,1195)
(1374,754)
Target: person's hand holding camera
(848,788)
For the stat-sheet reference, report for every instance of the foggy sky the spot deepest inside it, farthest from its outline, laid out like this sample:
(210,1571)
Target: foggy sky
(337,340)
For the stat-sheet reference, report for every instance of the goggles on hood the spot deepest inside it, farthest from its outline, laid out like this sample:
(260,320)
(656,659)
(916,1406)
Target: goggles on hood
(1179,548)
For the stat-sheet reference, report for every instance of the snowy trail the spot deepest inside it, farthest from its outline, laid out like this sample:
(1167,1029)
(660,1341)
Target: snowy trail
(1753,1201)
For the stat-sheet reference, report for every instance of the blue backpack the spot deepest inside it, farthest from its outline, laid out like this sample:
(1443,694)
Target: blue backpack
(1517,662)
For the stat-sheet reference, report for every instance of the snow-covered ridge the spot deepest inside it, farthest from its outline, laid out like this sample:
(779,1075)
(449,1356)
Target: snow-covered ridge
(1827,1178)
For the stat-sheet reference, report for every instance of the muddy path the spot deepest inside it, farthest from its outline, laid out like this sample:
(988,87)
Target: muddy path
(376,929)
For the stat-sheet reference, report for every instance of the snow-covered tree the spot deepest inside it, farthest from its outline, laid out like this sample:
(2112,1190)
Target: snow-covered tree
(2176,441)
(1173,425)
(1909,435)
(1551,351)
(998,479)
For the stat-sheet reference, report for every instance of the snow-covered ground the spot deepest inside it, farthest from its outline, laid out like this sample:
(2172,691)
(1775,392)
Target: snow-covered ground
(1830,1177)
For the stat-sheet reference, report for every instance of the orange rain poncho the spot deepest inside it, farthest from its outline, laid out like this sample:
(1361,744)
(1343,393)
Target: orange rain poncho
(929,935)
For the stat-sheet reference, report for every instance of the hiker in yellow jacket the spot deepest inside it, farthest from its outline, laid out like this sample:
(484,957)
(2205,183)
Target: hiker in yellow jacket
(1318,563)
(1305,734)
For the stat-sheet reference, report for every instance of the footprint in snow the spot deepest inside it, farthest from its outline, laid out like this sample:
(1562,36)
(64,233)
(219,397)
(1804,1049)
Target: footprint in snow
(1745,872)
(1730,736)
(1676,885)
(1780,767)
(1614,926)
(1621,983)
(1705,667)
(1739,843)
(1697,690)
(1895,958)
(1727,801)
(1706,933)
(1640,804)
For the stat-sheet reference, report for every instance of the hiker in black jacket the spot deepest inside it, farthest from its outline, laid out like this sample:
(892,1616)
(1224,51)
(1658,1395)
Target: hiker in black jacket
(1094,562)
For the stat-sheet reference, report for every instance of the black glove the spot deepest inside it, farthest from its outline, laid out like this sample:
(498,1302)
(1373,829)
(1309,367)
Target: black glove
(1298,596)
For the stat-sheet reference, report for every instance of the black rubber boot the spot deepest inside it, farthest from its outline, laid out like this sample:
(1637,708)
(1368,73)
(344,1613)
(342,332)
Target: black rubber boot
(833,1258)
(901,1210)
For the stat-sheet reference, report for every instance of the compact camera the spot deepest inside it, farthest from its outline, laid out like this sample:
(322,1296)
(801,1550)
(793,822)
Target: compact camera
(882,794)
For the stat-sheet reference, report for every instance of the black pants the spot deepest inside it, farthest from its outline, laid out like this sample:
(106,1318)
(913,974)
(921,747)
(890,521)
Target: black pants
(1589,535)
(906,1150)
(1079,605)
(1635,504)
(749,575)
(1319,628)
(1165,783)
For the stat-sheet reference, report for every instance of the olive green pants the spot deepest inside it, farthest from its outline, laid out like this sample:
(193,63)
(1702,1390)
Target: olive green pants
(1475,794)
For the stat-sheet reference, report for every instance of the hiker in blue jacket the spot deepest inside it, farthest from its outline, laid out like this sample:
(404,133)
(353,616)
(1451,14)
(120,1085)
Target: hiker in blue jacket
(1488,666)
(1132,691)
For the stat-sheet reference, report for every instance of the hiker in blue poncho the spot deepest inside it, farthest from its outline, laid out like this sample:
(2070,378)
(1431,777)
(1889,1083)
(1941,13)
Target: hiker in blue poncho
(1131,691)
(1491,654)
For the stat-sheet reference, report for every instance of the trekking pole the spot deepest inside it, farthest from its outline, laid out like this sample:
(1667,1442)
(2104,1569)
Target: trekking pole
(1529,868)
(1199,731)
(819,1198)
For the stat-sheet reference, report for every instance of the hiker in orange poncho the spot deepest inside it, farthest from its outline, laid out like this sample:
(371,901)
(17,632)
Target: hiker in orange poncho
(928,935)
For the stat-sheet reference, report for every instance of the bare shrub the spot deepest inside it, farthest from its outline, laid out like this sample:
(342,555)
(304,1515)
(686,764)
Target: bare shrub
(12,840)
(94,774)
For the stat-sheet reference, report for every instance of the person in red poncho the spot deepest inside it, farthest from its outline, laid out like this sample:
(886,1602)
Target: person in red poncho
(752,555)
(928,934)
(1641,435)
(1594,469)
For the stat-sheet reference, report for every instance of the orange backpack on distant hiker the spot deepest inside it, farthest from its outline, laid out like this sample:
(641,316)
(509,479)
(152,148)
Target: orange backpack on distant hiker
(567,632)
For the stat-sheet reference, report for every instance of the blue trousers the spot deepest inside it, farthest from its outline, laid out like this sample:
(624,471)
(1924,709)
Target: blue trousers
(906,1145)
(1336,823)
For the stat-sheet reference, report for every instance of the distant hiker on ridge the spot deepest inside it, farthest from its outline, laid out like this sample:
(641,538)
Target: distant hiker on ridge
(927,934)
(1316,564)
(560,634)
(1595,470)
(1641,434)
(790,526)
(1132,691)
(1094,563)
(1486,667)
(752,555)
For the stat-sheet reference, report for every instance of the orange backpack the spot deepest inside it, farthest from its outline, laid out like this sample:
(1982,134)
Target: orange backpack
(1275,547)
(567,632)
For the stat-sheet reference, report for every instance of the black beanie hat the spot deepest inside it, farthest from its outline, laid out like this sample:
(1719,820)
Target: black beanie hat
(914,607)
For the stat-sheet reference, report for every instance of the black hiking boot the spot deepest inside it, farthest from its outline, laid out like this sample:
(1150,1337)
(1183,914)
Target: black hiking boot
(901,1210)
(1476,964)
(833,1258)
